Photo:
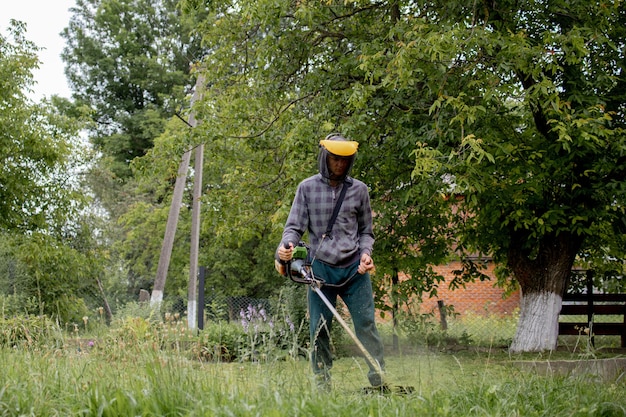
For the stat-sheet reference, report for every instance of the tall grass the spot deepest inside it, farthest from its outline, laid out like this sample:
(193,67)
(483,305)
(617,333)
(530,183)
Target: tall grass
(158,383)
(140,367)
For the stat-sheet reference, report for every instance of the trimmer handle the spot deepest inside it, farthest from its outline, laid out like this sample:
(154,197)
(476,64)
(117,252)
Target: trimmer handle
(304,275)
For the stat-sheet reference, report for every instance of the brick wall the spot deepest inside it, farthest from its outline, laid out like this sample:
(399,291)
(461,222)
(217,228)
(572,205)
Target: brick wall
(480,297)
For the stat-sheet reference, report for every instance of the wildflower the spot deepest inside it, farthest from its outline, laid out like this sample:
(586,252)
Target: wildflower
(251,312)
(244,320)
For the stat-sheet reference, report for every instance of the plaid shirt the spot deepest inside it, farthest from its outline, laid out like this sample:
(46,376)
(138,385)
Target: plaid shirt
(312,208)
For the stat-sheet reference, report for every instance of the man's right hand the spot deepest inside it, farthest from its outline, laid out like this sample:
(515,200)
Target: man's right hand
(285,253)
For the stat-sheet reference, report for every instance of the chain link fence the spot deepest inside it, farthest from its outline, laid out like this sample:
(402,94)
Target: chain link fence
(416,327)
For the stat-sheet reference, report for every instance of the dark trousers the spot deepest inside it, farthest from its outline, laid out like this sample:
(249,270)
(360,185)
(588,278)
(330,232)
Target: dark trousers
(357,294)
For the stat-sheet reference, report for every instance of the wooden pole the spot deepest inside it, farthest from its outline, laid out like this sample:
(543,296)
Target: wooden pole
(201,279)
(395,308)
(192,304)
(172,219)
(442,315)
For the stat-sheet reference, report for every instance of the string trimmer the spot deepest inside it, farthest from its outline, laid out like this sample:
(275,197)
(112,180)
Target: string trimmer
(299,270)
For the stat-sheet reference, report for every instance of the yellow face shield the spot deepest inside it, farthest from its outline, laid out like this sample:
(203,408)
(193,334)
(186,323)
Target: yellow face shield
(340,147)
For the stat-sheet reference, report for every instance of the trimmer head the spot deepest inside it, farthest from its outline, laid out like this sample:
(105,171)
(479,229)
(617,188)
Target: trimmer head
(389,389)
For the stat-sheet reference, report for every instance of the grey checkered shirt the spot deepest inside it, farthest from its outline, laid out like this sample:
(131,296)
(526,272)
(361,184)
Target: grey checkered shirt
(352,233)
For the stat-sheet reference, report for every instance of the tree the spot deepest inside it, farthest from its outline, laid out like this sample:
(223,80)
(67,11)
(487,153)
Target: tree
(516,108)
(543,156)
(48,254)
(38,147)
(281,79)
(129,61)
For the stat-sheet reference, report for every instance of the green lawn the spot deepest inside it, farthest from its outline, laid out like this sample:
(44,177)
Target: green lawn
(142,381)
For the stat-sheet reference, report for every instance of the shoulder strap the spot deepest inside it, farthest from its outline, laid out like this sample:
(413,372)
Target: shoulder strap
(331,222)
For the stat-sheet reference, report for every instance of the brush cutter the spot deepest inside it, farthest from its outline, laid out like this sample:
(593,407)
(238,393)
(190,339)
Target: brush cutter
(299,270)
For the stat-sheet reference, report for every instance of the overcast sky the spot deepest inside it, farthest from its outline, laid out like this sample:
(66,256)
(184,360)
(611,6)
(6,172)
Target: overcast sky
(45,19)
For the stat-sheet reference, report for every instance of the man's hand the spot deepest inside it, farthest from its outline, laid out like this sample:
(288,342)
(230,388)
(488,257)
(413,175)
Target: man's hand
(366,264)
(285,253)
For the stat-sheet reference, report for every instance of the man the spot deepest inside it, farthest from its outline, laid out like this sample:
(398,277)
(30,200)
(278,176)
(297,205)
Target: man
(343,256)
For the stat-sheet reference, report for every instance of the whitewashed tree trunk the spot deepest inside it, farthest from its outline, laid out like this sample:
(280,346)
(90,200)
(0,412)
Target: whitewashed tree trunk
(542,275)
(538,326)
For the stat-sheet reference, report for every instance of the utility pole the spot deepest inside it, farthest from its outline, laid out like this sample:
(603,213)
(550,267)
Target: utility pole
(192,297)
(172,220)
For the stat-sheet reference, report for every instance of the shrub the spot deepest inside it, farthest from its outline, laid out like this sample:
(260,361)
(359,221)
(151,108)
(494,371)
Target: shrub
(28,331)
(421,328)
(16,304)
(219,342)
(70,310)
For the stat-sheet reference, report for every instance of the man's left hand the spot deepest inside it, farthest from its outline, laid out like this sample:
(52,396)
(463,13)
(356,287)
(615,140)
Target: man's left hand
(366,264)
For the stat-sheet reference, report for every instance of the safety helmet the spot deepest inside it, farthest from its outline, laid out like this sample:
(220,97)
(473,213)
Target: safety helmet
(335,144)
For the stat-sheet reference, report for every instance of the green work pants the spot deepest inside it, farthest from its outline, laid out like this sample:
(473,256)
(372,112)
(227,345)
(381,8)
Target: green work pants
(358,297)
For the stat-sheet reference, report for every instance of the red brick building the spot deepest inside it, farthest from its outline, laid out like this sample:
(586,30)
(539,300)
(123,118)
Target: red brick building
(480,297)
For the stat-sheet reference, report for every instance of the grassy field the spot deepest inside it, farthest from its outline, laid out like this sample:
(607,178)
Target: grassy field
(142,381)
(139,367)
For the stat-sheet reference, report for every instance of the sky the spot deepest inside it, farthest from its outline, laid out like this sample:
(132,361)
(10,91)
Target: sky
(45,19)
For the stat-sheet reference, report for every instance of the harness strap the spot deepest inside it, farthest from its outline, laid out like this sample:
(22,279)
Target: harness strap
(331,222)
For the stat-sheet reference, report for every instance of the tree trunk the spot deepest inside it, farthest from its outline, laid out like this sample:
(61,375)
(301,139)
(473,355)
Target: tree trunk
(542,278)
(538,327)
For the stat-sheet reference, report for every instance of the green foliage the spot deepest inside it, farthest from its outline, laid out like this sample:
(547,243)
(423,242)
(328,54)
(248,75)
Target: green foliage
(219,341)
(39,150)
(423,329)
(70,309)
(47,249)
(292,305)
(44,275)
(44,261)
(257,335)
(495,129)
(516,109)
(29,332)
(483,329)
(18,304)
(129,61)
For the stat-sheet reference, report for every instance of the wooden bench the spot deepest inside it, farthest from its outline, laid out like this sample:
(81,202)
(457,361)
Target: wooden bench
(594,306)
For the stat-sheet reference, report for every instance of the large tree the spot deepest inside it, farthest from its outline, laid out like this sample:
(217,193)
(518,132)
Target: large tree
(514,108)
(541,117)
(129,61)
(49,258)
(39,148)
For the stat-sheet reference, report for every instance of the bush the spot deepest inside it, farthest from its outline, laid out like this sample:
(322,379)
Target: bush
(71,310)
(257,336)
(219,342)
(18,304)
(421,329)
(27,331)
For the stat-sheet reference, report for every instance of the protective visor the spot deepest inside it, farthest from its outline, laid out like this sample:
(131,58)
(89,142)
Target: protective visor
(340,147)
